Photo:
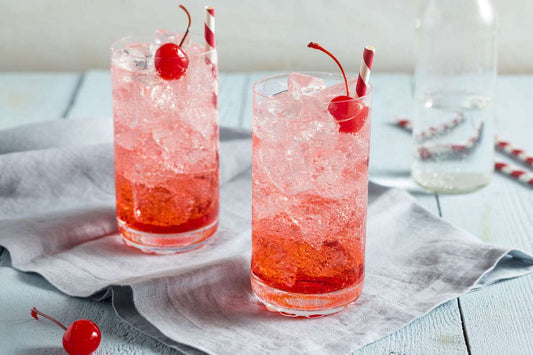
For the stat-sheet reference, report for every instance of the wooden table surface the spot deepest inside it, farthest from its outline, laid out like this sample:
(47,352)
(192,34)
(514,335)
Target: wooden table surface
(495,320)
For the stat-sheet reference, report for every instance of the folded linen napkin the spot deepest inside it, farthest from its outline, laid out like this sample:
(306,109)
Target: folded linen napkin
(57,218)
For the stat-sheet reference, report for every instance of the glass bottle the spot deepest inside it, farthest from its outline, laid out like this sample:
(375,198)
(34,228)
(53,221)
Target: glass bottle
(455,77)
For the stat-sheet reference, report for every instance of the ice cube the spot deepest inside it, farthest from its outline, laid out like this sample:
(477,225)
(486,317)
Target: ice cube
(127,139)
(284,106)
(285,170)
(338,89)
(300,84)
(162,36)
(135,57)
(274,118)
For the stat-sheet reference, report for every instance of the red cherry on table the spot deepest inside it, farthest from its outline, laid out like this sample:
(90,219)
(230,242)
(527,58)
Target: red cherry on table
(82,337)
(350,114)
(170,61)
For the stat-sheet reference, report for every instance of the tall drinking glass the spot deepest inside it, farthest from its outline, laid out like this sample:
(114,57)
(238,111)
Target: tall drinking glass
(310,188)
(166,146)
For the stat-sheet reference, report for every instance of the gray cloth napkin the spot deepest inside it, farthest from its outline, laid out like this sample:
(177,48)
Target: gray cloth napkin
(57,218)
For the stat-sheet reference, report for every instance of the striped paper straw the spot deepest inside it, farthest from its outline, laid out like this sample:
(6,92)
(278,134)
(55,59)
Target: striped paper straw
(404,123)
(431,132)
(450,151)
(507,147)
(209,30)
(364,71)
(514,172)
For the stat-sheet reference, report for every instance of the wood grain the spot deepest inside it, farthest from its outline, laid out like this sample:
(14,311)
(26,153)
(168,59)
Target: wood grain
(232,90)
(93,99)
(22,291)
(438,332)
(32,97)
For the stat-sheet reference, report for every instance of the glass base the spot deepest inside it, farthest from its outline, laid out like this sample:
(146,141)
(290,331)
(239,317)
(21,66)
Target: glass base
(292,304)
(166,243)
(451,183)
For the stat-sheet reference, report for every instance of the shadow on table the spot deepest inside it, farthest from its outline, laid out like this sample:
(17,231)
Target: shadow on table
(400,179)
(42,350)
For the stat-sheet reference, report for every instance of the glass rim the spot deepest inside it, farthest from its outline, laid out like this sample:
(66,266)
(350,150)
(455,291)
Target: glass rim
(150,39)
(255,90)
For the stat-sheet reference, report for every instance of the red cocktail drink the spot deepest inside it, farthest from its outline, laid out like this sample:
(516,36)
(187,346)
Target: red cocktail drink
(166,144)
(310,186)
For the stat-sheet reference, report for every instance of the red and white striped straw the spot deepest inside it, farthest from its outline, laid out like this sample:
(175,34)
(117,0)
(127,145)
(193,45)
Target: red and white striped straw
(451,150)
(514,172)
(431,132)
(443,150)
(364,71)
(514,151)
(404,123)
(209,28)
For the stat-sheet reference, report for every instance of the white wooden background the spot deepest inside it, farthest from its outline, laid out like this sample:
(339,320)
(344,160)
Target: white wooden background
(495,320)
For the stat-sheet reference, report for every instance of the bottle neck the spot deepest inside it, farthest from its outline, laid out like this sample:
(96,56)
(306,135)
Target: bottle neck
(440,13)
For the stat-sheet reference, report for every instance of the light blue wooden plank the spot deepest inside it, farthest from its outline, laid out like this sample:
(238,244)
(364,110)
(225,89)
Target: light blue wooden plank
(498,319)
(32,97)
(232,91)
(21,334)
(435,333)
(94,96)
(246,118)
(513,109)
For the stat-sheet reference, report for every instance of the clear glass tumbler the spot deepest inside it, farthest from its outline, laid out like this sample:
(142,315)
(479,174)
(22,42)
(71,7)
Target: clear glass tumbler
(309,202)
(166,146)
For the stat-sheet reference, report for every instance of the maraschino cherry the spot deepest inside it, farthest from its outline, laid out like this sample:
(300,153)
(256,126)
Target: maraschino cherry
(82,337)
(350,114)
(170,60)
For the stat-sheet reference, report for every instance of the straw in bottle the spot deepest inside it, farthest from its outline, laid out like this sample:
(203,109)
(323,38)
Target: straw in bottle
(504,168)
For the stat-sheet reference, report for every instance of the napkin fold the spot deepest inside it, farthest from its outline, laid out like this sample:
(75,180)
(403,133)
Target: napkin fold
(57,218)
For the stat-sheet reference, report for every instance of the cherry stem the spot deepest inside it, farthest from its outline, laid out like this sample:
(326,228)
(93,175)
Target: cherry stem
(34,313)
(320,48)
(188,26)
